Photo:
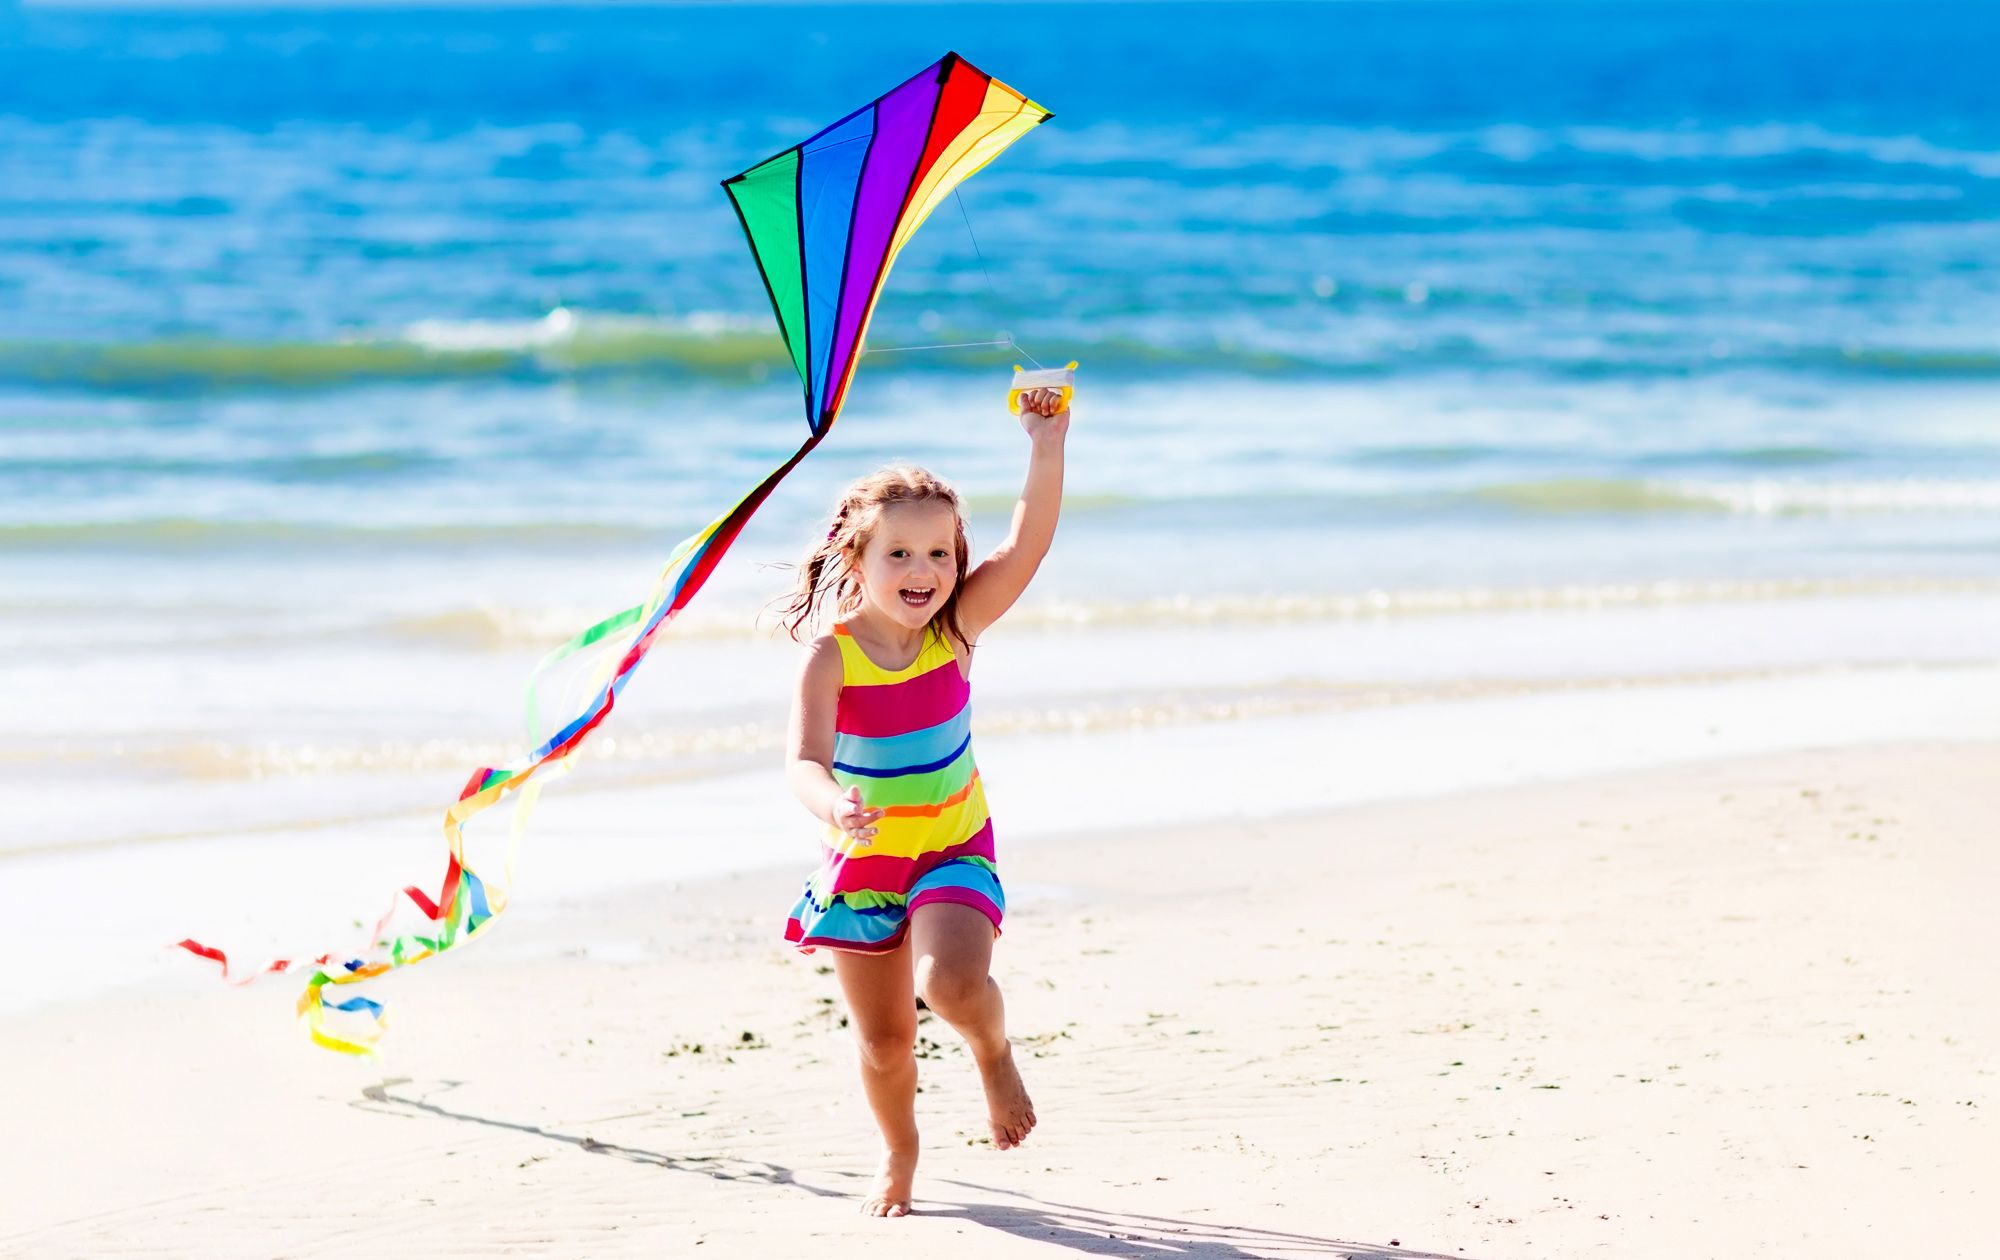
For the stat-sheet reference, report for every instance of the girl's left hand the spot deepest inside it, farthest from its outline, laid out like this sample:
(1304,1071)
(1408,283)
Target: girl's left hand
(1040,417)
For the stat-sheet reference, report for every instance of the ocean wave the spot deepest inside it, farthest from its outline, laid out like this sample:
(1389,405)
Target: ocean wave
(630,759)
(1610,496)
(1765,141)
(1892,495)
(492,627)
(1451,455)
(173,533)
(1761,496)
(1795,456)
(499,628)
(433,351)
(555,346)
(1900,361)
(729,350)
(1595,495)
(192,534)
(299,469)
(693,752)
(1379,604)
(1321,150)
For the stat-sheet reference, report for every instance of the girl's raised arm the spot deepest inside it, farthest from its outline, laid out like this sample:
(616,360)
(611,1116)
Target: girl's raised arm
(992,588)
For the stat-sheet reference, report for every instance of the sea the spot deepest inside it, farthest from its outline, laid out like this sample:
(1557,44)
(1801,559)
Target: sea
(351,358)
(1587,291)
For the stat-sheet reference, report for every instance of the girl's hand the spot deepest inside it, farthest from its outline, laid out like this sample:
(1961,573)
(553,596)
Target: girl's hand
(1040,417)
(850,817)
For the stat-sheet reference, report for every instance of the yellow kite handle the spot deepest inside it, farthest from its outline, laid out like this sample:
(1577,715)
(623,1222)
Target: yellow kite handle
(1063,379)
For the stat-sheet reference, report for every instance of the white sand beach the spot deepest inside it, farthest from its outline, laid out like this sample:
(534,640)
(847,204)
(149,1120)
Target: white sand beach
(1735,1004)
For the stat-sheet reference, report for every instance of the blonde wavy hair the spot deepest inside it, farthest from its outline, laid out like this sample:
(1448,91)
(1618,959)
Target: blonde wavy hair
(830,575)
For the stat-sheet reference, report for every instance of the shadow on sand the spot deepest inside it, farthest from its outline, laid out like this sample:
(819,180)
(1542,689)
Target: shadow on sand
(1090,1231)
(378,1098)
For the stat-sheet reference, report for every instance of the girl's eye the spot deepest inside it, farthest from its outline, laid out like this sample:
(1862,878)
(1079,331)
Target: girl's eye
(898,554)
(938,554)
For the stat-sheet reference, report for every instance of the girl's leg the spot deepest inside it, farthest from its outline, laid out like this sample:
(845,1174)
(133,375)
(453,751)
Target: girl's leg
(882,1008)
(954,949)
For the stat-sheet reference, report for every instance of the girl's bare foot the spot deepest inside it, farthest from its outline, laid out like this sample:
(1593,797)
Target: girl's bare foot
(1008,1108)
(891,1196)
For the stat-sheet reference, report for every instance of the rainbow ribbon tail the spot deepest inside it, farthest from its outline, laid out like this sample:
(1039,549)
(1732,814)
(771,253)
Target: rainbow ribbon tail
(465,903)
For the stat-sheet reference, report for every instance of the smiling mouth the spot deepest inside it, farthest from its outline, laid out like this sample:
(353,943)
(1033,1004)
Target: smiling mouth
(916,598)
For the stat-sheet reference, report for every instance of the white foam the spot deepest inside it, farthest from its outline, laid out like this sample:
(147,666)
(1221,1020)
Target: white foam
(1768,496)
(458,336)
(563,325)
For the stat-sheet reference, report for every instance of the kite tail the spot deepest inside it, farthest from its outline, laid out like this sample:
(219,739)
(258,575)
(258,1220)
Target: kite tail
(465,903)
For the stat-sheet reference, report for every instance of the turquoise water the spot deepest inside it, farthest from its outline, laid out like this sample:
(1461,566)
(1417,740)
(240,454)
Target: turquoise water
(1378,295)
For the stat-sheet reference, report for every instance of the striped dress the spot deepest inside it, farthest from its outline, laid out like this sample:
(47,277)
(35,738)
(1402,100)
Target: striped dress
(904,737)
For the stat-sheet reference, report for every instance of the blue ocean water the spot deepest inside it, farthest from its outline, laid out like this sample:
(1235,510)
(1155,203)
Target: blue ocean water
(1443,292)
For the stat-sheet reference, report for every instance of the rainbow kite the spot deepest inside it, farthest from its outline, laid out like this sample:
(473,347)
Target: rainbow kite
(825,219)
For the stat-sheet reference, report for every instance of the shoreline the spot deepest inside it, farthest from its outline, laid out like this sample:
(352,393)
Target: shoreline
(1187,708)
(291,891)
(1659,1011)
(200,739)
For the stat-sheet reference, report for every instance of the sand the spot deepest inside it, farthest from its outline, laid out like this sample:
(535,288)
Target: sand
(1706,1009)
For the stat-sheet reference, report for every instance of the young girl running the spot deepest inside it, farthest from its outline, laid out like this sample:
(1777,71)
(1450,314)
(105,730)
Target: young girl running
(907,894)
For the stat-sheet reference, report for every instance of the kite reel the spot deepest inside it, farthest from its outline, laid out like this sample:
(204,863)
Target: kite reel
(1062,379)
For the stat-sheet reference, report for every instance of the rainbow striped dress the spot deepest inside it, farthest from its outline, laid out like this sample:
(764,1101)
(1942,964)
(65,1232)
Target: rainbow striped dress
(904,737)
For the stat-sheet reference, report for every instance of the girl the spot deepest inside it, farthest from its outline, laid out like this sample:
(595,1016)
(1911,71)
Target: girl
(907,895)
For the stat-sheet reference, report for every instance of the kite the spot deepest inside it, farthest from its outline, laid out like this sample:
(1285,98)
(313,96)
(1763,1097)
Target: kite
(825,220)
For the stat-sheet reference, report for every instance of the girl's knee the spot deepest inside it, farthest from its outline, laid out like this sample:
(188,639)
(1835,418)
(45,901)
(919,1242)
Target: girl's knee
(888,1043)
(947,987)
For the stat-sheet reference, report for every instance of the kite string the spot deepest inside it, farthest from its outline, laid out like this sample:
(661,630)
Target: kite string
(1006,339)
(942,345)
(990,286)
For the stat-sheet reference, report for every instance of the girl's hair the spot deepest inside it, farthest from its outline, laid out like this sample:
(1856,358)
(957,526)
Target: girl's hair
(829,575)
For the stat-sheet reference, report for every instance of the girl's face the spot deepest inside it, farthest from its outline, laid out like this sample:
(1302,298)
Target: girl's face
(910,565)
